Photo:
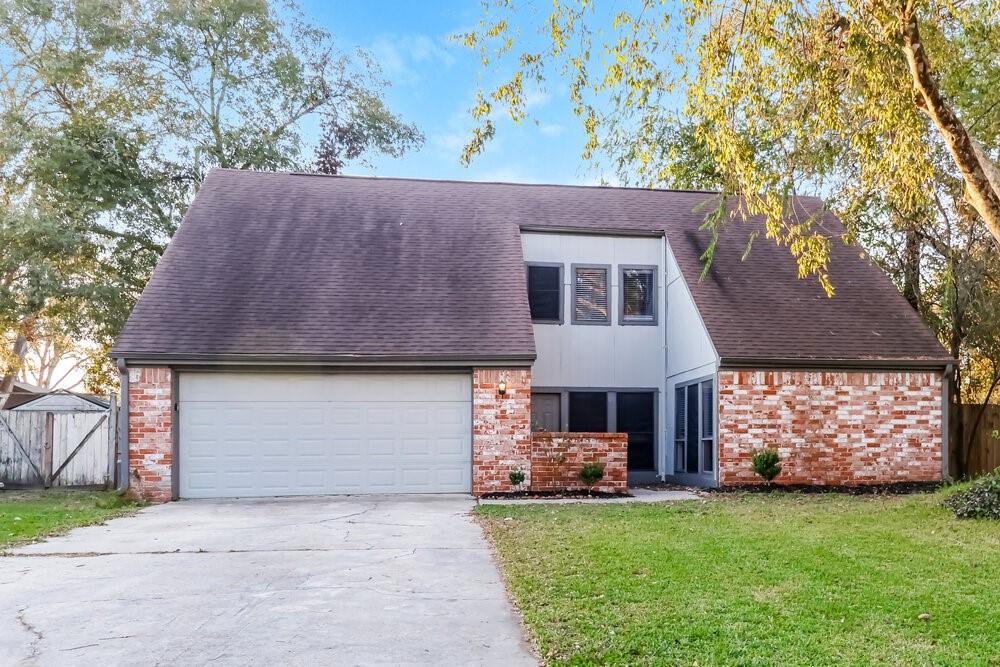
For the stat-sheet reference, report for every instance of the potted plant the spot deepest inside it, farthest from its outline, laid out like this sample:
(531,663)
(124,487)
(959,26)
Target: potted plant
(516,477)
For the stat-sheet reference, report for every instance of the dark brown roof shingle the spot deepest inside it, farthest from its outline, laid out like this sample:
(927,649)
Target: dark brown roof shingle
(279,265)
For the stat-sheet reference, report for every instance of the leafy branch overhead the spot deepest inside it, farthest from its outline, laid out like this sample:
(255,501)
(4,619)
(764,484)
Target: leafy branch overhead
(838,98)
(111,113)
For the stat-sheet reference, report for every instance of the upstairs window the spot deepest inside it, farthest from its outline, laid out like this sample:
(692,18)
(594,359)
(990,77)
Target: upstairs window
(590,295)
(545,292)
(638,295)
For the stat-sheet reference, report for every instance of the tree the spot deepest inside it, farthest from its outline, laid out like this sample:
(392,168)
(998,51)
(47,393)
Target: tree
(111,113)
(838,97)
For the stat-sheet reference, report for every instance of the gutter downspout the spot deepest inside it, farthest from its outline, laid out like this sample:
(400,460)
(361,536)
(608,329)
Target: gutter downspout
(123,479)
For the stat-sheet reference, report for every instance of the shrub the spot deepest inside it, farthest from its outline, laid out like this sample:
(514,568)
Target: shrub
(981,500)
(765,462)
(591,473)
(516,477)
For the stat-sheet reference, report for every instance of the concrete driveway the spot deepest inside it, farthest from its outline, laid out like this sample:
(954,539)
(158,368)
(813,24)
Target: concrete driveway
(332,580)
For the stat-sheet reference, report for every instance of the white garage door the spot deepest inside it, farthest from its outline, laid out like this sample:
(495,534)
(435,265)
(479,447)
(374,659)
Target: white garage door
(262,434)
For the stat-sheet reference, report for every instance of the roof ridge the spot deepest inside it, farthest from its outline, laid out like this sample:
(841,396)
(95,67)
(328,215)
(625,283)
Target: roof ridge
(464,182)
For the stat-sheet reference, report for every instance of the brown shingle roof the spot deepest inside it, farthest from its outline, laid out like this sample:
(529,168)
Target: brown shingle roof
(278,265)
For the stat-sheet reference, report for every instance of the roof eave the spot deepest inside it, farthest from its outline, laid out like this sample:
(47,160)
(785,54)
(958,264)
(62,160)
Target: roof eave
(331,360)
(726,363)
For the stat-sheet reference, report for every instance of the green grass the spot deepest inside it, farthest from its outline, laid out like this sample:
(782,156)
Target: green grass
(777,579)
(26,516)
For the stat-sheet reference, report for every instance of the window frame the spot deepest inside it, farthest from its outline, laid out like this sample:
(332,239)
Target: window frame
(562,291)
(622,319)
(712,440)
(607,289)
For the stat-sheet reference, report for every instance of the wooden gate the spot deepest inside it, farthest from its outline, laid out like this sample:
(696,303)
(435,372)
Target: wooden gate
(984,445)
(58,448)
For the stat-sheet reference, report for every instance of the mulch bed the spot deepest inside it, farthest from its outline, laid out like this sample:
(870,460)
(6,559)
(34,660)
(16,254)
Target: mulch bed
(894,489)
(536,495)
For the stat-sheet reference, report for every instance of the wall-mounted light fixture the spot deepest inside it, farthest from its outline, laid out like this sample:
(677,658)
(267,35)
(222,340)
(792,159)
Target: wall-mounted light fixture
(502,388)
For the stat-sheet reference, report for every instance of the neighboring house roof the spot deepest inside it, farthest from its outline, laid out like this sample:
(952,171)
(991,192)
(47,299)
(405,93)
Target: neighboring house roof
(20,393)
(285,266)
(58,399)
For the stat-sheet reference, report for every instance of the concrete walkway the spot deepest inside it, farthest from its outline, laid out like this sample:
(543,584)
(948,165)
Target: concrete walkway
(638,496)
(294,581)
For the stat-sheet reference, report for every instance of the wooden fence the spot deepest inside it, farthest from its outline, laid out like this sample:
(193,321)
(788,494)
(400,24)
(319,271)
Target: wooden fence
(72,448)
(983,447)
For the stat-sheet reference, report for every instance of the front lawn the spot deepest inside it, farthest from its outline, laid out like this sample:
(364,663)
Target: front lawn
(30,515)
(775,579)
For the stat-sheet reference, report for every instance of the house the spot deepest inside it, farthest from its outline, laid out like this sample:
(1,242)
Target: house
(309,334)
(20,392)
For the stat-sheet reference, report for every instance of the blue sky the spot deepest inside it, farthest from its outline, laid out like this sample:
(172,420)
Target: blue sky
(434,85)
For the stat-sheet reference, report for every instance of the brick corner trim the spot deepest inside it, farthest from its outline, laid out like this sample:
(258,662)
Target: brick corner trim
(840,428)
(150,439)
(501,428)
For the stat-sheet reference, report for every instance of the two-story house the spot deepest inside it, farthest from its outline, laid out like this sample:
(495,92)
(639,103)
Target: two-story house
(312,334)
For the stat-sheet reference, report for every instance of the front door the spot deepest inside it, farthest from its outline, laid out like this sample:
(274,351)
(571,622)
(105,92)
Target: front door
(546,413)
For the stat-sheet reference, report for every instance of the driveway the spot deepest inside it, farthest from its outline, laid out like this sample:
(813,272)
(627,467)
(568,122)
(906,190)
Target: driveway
(331,580)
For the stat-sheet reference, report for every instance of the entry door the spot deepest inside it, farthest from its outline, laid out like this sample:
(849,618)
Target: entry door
(546,412)
(281,434)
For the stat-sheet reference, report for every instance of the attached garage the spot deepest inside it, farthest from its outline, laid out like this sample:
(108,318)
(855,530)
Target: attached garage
(246,434)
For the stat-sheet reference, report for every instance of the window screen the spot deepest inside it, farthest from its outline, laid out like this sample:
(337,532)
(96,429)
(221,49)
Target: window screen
(707,410)
(590,295)
(544,292)
(639,295)
(588,411)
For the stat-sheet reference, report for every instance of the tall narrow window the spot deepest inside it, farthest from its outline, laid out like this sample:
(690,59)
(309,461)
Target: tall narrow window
(590,295)
(636,416)
(638,295)
(545,292)
(707,426)
(680,428)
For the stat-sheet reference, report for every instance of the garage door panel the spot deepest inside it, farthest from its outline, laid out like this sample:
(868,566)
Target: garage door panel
(244,434)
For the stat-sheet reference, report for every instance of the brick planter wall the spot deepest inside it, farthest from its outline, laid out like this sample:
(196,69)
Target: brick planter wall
(831,428)
(556,459)
(501,428)
(149,434)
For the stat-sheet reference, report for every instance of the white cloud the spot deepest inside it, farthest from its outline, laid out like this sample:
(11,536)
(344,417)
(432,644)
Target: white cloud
(551,129)
(405,58)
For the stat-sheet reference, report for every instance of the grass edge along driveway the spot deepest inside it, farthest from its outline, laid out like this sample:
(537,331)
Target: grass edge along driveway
(750,579)
(31,515)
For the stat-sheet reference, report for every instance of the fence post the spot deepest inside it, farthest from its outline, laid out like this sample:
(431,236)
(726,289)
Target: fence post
(50,421)
(113,441)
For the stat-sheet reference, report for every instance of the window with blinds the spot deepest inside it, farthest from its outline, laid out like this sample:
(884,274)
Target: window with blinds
(590,295)
(638,295)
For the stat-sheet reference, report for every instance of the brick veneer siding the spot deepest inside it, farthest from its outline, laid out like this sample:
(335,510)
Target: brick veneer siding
(831,428)
(150,440)
(556,459)
(501,428)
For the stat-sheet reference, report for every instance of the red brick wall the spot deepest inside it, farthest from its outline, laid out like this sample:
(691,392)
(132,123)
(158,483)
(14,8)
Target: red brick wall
(501,428)
(149,433)
(556,459)
(831,428)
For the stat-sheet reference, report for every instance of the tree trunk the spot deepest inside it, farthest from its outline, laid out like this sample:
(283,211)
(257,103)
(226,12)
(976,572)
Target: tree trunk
(911,269)
(980,190)
(20,349)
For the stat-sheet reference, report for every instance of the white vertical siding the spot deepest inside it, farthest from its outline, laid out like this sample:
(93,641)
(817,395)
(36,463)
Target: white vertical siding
(690,352)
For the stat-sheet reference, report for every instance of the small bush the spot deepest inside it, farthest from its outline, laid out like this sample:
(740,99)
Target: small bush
(591,473)
(981,500)
(766,463)
(516,477)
